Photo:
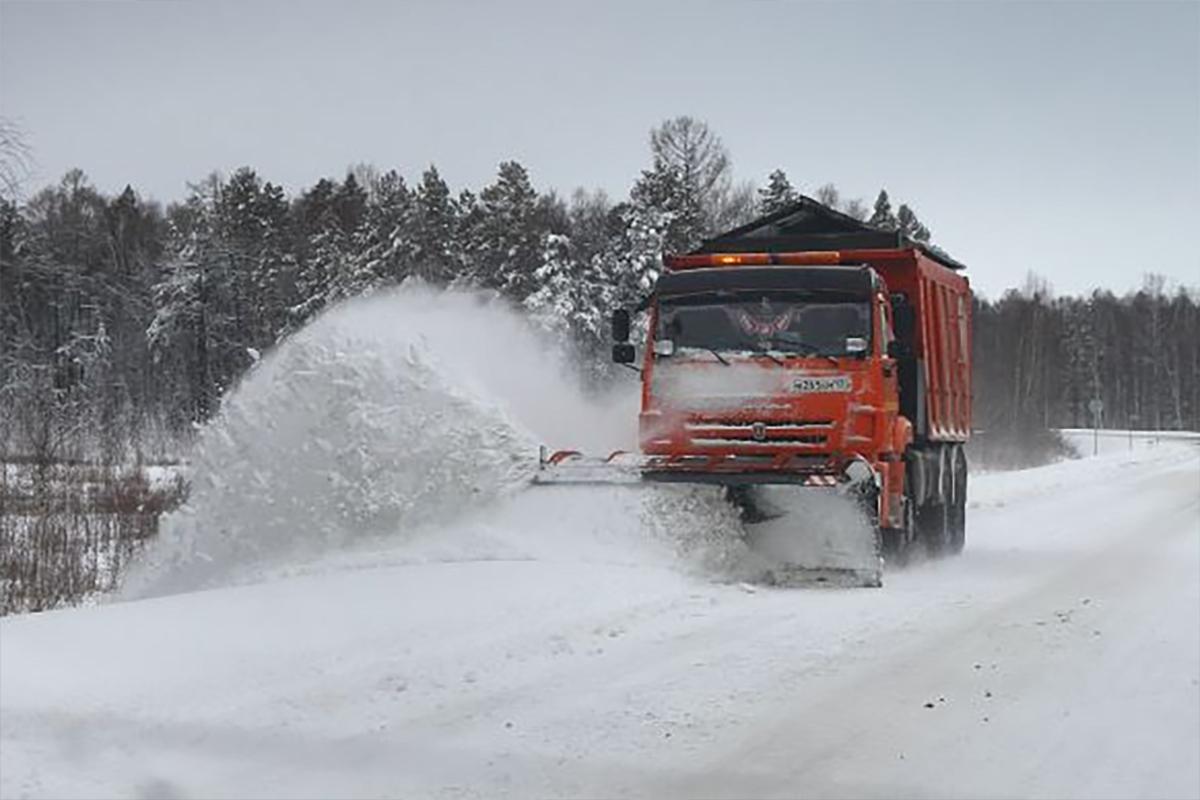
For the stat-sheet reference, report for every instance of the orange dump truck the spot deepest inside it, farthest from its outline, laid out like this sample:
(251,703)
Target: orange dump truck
(809,350)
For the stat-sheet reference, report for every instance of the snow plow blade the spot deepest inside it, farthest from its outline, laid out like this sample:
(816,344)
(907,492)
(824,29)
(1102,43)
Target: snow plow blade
(845,577)
(802,530)
(573,468)
(810,536)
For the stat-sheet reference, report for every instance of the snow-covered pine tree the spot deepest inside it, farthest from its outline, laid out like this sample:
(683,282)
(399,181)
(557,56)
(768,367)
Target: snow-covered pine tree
(460,256)
(328,265)
(309,211)
(908,224)
(508,239)
(882,216)
(334,215)
(777,194)
(591,223)
(383,246)
(556,303)
(576,283)
(662,202)
(350,204)
(631,263)
(196,326)
(434,230)
(275,266)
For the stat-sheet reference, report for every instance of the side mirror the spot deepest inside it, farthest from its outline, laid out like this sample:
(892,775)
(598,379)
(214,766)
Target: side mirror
(623,353)
(620,326)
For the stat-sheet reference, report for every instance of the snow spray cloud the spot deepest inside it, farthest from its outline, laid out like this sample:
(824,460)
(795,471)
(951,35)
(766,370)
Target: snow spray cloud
(384,415)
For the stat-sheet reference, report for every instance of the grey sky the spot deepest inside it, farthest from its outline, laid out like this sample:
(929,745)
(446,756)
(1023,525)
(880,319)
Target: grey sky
(1061,138)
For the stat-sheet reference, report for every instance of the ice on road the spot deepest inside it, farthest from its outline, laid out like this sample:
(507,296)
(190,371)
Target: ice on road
(1059,656)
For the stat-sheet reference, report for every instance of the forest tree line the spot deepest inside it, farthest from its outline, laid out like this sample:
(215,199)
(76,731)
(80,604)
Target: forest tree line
(122,322)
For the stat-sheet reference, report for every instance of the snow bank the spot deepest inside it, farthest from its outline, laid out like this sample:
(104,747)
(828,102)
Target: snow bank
(1088,442)
(387,419)
(1111,468)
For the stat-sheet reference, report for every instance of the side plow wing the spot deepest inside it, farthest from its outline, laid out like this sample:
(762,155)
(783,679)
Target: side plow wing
(572,467)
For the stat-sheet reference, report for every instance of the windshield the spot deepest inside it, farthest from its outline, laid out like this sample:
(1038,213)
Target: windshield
(767,323)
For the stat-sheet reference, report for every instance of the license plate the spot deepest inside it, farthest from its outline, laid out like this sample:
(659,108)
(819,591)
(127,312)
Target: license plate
(823,383)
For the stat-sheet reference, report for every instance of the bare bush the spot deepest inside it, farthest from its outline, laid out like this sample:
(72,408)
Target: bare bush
(67,530)
(1002,449)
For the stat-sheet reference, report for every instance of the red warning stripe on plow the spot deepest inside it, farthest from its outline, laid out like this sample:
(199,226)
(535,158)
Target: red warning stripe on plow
(821,480)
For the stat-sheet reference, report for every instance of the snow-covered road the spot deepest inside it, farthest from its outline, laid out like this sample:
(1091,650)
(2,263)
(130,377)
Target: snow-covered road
(1058,657)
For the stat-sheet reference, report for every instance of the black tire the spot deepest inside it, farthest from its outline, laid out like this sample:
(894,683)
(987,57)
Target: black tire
(957,513)
(897,542)
(933,528)
(957,519)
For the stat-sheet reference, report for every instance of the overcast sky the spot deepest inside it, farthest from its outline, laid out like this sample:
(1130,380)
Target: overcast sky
(1060,138)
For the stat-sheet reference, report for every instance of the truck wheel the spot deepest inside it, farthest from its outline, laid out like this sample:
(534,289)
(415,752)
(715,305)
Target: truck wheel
(933,528)
(957,511)
(957,518)
(897,542)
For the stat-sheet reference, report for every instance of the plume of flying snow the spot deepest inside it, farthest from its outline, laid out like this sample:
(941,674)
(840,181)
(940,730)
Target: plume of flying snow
(396,421)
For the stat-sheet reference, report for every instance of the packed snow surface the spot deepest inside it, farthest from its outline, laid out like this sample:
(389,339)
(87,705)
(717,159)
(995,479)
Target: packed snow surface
(386,610)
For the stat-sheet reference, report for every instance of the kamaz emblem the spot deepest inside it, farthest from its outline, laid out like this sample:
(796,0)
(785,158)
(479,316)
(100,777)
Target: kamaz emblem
(766,327)
(759,431)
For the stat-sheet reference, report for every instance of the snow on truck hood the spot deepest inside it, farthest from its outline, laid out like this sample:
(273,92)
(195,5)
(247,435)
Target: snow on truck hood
(746,382)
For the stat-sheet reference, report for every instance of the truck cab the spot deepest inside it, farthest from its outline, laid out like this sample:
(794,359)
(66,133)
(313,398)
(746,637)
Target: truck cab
(776,373)
(845,366)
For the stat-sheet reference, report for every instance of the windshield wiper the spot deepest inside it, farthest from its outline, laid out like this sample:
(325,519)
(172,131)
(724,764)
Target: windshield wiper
(769,355)
(818,354)
(718,356)
(804,348)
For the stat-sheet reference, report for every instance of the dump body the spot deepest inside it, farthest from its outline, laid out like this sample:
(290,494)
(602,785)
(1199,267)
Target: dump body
(935,390)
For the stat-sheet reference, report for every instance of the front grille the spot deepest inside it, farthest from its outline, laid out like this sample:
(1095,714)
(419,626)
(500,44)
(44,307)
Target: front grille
(781,441)
(719,433)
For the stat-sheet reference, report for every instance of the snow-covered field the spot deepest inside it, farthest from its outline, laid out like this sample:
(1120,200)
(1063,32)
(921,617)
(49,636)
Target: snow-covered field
(577,642)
